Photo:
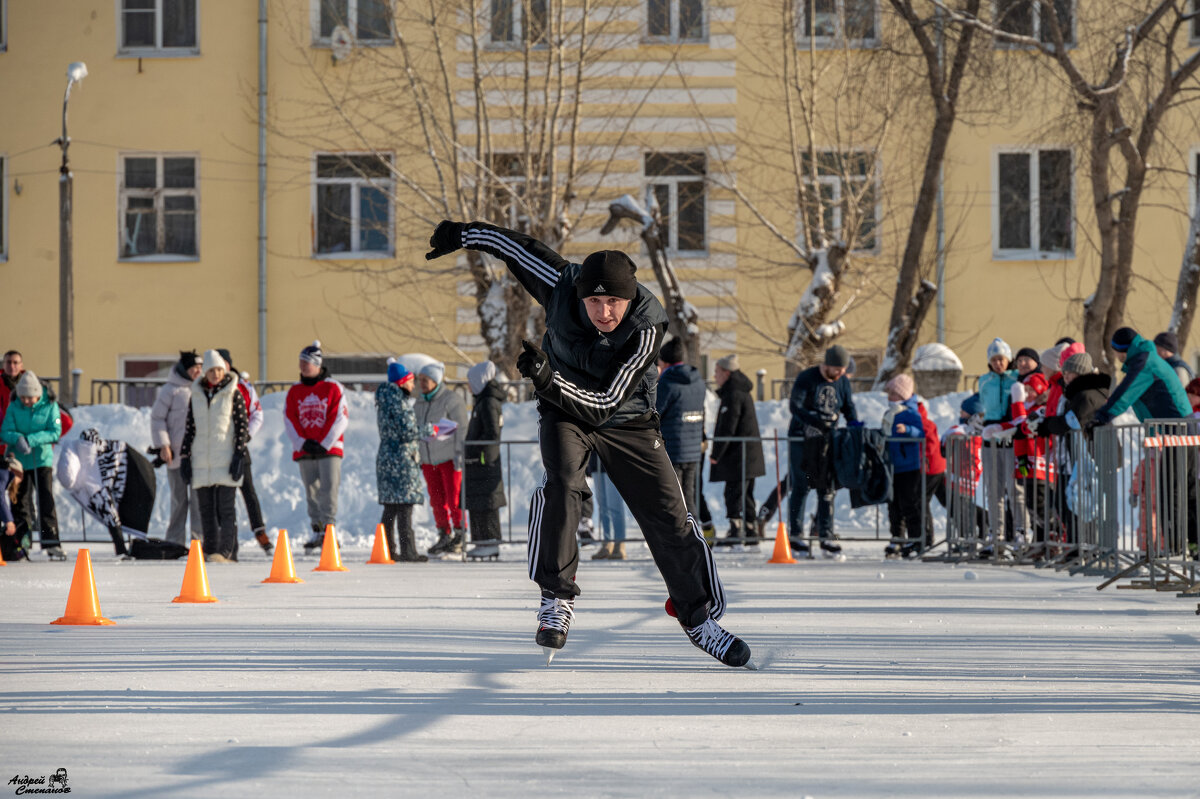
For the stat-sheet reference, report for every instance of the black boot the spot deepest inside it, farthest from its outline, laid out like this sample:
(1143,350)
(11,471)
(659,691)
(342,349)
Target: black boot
(442,544)
(260,535)
(318,538)
(118,539)
(735,530)
(407,540)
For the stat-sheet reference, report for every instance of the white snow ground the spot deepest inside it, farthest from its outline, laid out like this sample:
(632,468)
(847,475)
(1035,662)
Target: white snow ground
(878,679)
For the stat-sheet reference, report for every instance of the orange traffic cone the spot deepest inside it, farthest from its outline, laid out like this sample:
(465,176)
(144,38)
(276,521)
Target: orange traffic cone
(783,548)
(379,553)
(331,559)
(3,562)
(83,603)
(282,570)
(195,579)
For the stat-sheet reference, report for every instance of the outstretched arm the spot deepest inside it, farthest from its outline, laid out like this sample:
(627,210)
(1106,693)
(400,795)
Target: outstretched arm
(535,265)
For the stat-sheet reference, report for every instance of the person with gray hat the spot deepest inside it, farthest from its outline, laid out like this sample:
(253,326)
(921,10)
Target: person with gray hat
(30,429)
(736,458)
(1167,345)
(595,378)
(821,397)
(442,456)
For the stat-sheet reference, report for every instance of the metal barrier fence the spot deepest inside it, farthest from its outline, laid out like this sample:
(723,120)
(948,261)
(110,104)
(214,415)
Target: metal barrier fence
(1118,502)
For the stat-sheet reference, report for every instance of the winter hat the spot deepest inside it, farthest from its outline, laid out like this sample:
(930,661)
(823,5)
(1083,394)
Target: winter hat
(999,347)
(1067,340)
(1051,357)
(434,371)
(1029,352)
(213,359)
(972,405)
(1074,348)
(224,353)
(28,385)
(1123,338)
(837,356)
(1168,341)
(902,385)
(671,352)
(607,273)
(479,375)
(1080,363)
(397,372)
(188,359)
(729,363)
(312,354)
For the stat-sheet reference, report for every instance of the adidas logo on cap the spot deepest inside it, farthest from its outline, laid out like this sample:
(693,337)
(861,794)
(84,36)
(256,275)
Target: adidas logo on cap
(599,288)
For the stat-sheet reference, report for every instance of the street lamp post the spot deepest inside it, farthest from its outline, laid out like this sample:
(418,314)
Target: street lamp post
(76,72)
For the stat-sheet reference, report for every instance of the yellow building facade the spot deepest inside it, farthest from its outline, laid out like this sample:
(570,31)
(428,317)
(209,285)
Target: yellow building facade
(682,101)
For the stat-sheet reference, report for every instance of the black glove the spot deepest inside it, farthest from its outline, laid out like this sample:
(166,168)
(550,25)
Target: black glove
(185,470)
(237,465)
(313,447)
(534,364)
(446,238)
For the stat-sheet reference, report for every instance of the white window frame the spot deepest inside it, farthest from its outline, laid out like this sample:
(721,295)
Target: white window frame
(838,40)
(1194,28)
(4,203)
(674,36)
(157,51)
(1036,10)
(387,185)
(673,181)
(318,40)
(517,41)
(1033,252)
(837,182)
(159,193)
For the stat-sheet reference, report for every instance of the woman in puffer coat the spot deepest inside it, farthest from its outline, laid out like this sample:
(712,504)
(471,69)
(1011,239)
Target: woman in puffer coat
(213,453)
(482,475)
(398,463)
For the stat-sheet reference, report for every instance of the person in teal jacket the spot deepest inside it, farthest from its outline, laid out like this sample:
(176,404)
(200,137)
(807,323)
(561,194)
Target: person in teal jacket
(995,387)
(31,428)
(1149,387)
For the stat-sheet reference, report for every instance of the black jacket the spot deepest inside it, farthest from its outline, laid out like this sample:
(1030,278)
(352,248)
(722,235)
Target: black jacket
(736,419)
(482,473)
(680,405)
(1084,396)
(601,379)
(816,402)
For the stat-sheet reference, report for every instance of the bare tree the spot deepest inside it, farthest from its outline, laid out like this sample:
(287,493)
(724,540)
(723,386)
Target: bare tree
(476,112)
(1123,97)
(1184,311)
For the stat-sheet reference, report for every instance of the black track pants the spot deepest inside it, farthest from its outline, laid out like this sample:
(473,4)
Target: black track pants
(637,463)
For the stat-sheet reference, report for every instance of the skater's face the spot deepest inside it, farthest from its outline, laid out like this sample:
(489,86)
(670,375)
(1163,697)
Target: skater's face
(309,369)
(13,364)
(606,312)
(1025,365)
(832,373)
(215,375)
(998,363)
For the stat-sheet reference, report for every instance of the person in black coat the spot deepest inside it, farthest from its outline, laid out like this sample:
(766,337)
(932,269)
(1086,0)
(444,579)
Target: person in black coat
(736,463)
(680,406)
(482,472)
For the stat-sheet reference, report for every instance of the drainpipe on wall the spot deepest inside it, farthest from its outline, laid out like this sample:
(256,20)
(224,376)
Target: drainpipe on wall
(262,190)
(941,202)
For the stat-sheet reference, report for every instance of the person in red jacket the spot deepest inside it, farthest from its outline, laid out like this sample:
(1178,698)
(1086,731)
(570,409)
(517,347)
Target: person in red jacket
(316,419)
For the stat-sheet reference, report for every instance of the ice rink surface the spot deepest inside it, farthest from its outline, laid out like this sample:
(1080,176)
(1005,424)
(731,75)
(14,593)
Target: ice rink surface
(879,678)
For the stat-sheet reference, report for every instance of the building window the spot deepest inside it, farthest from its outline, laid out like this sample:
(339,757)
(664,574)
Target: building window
(675,184)
(159,25)
(518,21)
(511,203)
(1029,18)
(839,23)
(1034,204)
(144,375)
(1196,22)
(369,21)
(3,25)
(675,20)
(353,201)
(3,208)
(159,207)
(844,201)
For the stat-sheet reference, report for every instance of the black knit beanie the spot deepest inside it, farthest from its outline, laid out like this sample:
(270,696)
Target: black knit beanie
(607,273)
(188,359)
(1123,338)
(1029,352)
(1168,341)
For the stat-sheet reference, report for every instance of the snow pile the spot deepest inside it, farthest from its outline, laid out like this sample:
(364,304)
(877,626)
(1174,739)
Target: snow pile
(282,494)
(935,358)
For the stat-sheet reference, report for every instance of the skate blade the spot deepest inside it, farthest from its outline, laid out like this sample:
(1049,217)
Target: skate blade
(751,665)
(550,653)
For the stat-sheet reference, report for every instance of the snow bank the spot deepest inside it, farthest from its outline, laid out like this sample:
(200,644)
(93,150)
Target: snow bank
(935,358)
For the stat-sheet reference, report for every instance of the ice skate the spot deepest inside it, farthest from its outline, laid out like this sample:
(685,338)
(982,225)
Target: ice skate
(484,550)
(554,620)
(892,551)
(831,549)
(721,644)
(55,553)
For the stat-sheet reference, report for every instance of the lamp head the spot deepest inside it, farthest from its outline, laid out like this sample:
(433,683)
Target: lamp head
(77,71)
